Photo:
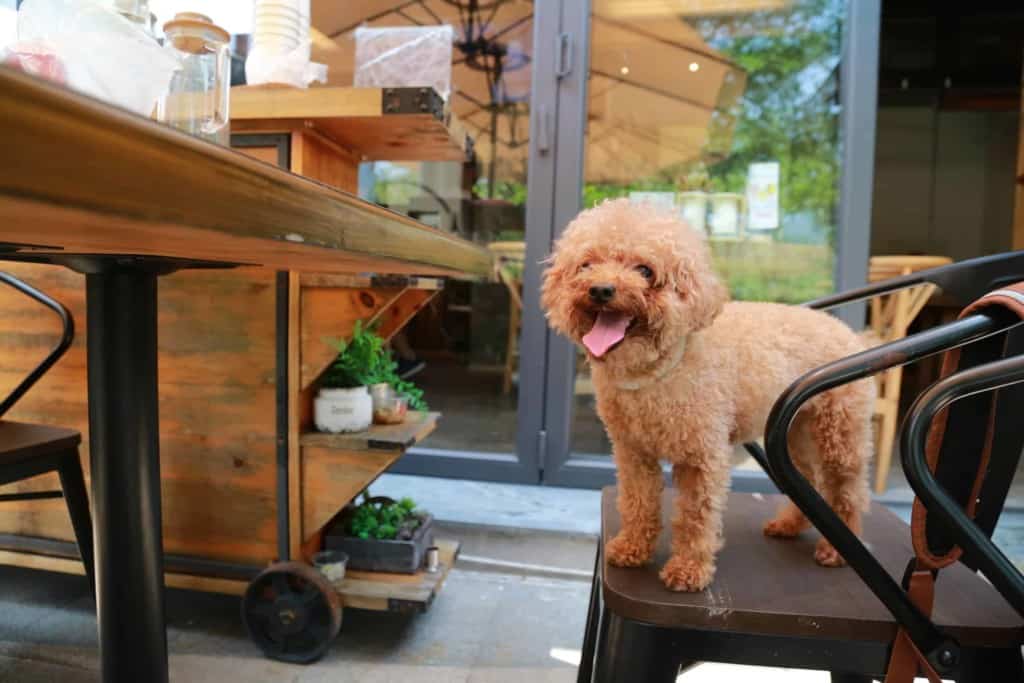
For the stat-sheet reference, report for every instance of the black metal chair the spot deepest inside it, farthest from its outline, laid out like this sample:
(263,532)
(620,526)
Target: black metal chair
(771,606)
(29,450)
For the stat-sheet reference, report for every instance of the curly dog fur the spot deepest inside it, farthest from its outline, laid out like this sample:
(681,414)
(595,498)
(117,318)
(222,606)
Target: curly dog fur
(693,376)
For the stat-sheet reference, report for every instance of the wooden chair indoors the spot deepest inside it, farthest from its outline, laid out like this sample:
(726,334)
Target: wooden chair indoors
(29,450)
(771,605)
(891,316)
(509,258)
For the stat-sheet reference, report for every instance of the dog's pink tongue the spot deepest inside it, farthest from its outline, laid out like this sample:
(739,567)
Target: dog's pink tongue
(608,330)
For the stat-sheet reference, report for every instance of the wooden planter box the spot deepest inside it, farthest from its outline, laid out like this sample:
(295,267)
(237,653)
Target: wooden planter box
(373,555)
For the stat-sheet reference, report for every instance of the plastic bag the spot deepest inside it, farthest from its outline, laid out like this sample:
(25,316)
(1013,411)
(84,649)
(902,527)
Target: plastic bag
(405,56)
(35,59)
(263,65)
(101,53)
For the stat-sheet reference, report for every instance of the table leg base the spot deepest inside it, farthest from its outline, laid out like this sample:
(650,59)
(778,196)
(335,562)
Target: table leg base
(124,455)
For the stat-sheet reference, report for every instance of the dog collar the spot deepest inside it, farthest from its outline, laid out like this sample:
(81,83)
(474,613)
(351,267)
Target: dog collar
(671,363)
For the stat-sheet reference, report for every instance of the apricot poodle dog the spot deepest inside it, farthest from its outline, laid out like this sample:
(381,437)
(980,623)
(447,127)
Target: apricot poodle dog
(682,375)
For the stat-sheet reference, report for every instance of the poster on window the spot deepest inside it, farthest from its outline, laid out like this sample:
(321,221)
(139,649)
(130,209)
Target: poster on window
(763,196)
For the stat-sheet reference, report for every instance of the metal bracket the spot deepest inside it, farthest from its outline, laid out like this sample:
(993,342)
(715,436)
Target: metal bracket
(413,101)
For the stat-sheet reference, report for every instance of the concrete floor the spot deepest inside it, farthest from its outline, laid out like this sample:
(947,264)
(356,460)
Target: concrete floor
(485,627)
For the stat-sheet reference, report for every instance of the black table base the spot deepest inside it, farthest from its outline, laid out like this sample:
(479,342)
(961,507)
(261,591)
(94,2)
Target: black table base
(124,455)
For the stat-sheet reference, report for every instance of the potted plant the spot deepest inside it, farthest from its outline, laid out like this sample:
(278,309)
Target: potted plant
(344,403)
(382,534)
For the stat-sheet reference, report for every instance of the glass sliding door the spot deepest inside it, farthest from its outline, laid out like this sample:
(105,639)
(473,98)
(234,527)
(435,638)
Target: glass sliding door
(470,349)
(726,112)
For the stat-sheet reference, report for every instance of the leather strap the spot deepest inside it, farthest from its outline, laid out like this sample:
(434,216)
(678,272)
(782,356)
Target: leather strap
(1012,298)
(906,659)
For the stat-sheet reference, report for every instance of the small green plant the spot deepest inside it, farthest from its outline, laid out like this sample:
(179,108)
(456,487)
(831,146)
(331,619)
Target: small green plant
(384,519)
(364,360)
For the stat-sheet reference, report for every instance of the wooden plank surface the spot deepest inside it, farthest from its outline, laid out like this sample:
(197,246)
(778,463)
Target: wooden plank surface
(207,584)
(365,281)
(282,102)
(331,313)
(331,477)
(82,176)
(355,119)
(417,426)
(773,586)
(217,407)
(377,590)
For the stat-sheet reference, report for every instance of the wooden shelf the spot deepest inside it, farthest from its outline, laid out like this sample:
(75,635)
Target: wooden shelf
(417,426)
(334,280)
(378,124)
(399,592)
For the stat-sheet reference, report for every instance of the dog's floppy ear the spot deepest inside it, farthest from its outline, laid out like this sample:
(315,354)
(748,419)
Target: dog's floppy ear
(698,286)
(552,288)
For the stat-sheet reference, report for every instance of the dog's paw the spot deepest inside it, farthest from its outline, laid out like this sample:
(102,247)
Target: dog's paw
(826,555)
(687,575)
(626,551)
(784,527)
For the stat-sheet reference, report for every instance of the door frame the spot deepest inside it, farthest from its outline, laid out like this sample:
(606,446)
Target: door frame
(524,466)
(858,96)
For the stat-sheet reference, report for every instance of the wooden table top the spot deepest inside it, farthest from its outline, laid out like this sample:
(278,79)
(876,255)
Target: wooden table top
(773,586)
(80,176)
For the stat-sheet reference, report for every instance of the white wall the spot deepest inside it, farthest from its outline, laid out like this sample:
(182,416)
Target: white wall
(944,182)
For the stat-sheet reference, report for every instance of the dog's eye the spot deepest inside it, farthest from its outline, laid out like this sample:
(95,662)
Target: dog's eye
(645,271)
(584,266)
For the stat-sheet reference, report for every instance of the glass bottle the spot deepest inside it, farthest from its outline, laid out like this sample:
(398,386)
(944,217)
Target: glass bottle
(198,97)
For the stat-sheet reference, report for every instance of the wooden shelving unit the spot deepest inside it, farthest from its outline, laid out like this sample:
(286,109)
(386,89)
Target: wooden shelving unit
(244,482)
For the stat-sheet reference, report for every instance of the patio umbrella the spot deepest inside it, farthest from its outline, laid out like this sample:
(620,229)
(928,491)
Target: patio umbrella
(659,96)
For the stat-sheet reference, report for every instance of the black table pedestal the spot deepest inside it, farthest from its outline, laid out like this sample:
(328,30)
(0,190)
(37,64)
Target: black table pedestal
(124,455)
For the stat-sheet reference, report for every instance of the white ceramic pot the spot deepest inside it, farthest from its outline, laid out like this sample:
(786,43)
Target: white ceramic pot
(343,410)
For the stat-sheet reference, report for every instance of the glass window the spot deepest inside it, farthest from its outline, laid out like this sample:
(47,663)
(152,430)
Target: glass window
(727,112)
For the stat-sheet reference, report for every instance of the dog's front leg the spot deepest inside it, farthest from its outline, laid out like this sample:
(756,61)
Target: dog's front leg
(701,490)
(640,485)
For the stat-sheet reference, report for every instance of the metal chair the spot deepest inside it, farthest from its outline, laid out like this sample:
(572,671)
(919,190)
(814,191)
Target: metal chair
(770,605)
(29,450)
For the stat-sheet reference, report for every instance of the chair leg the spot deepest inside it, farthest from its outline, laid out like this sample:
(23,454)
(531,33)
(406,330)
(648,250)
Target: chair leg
(586,670)
(630,651)
(77,500)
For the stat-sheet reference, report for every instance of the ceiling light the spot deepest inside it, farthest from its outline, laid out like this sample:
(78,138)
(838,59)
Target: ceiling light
(694,66)
(624,71)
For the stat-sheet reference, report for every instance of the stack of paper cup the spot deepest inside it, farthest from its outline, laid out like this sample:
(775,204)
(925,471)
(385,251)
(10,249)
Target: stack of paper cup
(281,46)
(281,26)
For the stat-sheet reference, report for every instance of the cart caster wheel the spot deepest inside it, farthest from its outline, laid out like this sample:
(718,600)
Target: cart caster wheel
(291,612)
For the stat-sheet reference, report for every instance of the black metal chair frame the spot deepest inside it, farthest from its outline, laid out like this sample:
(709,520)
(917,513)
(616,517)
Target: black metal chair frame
(65,463)
(631,650)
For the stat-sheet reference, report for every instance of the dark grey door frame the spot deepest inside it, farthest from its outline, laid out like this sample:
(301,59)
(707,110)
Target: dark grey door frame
(858,97)
(526,465)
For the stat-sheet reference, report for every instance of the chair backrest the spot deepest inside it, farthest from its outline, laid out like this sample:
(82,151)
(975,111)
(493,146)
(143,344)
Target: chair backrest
(67,335)
(989,333)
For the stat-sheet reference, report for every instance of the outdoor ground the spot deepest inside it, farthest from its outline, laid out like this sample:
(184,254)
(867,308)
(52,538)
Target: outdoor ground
(512,610)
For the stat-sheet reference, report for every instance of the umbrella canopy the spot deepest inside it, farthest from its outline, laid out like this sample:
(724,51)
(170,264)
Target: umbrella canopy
(659,96)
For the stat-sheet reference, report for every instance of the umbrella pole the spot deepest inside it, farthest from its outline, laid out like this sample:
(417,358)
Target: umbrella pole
(494,150)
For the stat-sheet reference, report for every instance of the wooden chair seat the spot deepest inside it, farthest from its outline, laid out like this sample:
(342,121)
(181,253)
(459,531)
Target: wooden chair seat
(773,586)
(20,441)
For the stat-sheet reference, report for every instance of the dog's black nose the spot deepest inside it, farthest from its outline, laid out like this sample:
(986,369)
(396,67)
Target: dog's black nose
(602,294)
